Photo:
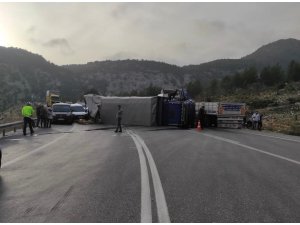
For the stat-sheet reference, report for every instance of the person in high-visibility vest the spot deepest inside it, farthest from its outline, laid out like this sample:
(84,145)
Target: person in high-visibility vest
(27,113)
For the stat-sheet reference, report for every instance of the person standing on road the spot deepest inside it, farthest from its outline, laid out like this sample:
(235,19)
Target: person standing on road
(119,119)
(257,118)
(44,114)
(49,117)
(38,114)
(253,118)
(0,156)
(201,116)
(259,124)
(27,112)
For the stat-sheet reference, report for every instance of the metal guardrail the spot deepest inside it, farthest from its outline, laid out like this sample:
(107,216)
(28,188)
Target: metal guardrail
(11,126)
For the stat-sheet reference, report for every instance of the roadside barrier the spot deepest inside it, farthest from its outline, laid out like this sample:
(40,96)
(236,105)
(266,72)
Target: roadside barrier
(11,127)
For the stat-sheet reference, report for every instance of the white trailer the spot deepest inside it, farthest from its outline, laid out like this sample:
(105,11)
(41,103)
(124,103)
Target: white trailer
(223,114)
(136,110)
(93,103)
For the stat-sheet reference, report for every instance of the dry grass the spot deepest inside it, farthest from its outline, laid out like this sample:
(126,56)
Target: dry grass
(280,113)
(11,115)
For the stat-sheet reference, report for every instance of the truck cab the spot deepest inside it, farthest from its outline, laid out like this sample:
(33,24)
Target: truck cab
(52,97)
(175,108)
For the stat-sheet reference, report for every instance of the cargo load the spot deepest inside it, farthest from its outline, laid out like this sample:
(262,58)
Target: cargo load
(136,110)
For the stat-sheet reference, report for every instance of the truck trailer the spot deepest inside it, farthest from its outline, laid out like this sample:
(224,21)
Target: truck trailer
(170,108)
(223,114)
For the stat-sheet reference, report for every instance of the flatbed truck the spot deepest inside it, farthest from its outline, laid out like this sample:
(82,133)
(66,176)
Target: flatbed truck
(223,114)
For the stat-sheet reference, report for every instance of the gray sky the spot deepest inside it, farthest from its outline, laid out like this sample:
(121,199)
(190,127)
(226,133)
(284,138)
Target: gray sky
(176,33)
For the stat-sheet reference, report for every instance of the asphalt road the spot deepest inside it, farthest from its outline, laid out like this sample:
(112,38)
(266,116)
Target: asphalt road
(87,173)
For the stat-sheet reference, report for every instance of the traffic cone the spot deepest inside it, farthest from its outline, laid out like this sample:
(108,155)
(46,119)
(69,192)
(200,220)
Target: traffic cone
(199,126)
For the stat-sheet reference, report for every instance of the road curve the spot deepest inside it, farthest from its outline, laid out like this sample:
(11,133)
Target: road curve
(88,173)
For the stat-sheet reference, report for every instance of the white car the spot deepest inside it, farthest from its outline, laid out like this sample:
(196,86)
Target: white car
(61,112)
(79,112)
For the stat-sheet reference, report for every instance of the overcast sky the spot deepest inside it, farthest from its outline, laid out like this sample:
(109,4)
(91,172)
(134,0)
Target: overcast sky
(176,33)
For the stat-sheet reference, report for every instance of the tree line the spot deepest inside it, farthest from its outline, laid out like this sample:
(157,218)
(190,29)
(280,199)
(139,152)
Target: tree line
(268,77)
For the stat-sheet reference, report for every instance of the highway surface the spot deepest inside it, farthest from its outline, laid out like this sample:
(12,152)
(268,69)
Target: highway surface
(88,173)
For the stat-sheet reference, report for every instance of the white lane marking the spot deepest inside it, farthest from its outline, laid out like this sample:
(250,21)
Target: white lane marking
(146,211)
(271,136)
(251,148)
(15,139)
(34,151)
(162,208)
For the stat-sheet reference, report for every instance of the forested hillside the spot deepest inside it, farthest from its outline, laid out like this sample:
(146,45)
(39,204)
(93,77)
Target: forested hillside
(25,76)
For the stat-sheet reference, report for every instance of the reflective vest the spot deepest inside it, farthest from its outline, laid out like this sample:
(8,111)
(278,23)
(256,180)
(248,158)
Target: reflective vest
(27,111)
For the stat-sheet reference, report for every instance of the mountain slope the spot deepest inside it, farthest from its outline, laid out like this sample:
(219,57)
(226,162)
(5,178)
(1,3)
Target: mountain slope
(281,52)
(26,76)
(115,77)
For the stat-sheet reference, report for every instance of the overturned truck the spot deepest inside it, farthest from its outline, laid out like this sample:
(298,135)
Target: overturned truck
(170,108)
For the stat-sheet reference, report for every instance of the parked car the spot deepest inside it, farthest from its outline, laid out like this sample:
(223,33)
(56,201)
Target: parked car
(62,113)
(78,111)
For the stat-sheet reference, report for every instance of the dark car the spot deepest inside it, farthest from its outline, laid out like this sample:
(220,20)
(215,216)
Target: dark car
(62,112)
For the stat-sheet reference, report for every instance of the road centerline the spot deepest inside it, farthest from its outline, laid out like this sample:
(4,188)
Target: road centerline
(146,212)
(161,204)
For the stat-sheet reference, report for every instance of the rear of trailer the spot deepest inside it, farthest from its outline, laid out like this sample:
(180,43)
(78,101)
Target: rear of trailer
(223,114)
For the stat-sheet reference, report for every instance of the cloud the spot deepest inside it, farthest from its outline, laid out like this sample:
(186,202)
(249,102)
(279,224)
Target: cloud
(124,55)
(120,11)
(181,33)
(31,30)
(209,27)
(61,43)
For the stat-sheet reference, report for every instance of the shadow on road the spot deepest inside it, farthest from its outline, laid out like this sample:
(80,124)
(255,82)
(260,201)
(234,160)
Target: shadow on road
(2,187)
(167,128)
(2,191)
(103,128)
(76,131)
